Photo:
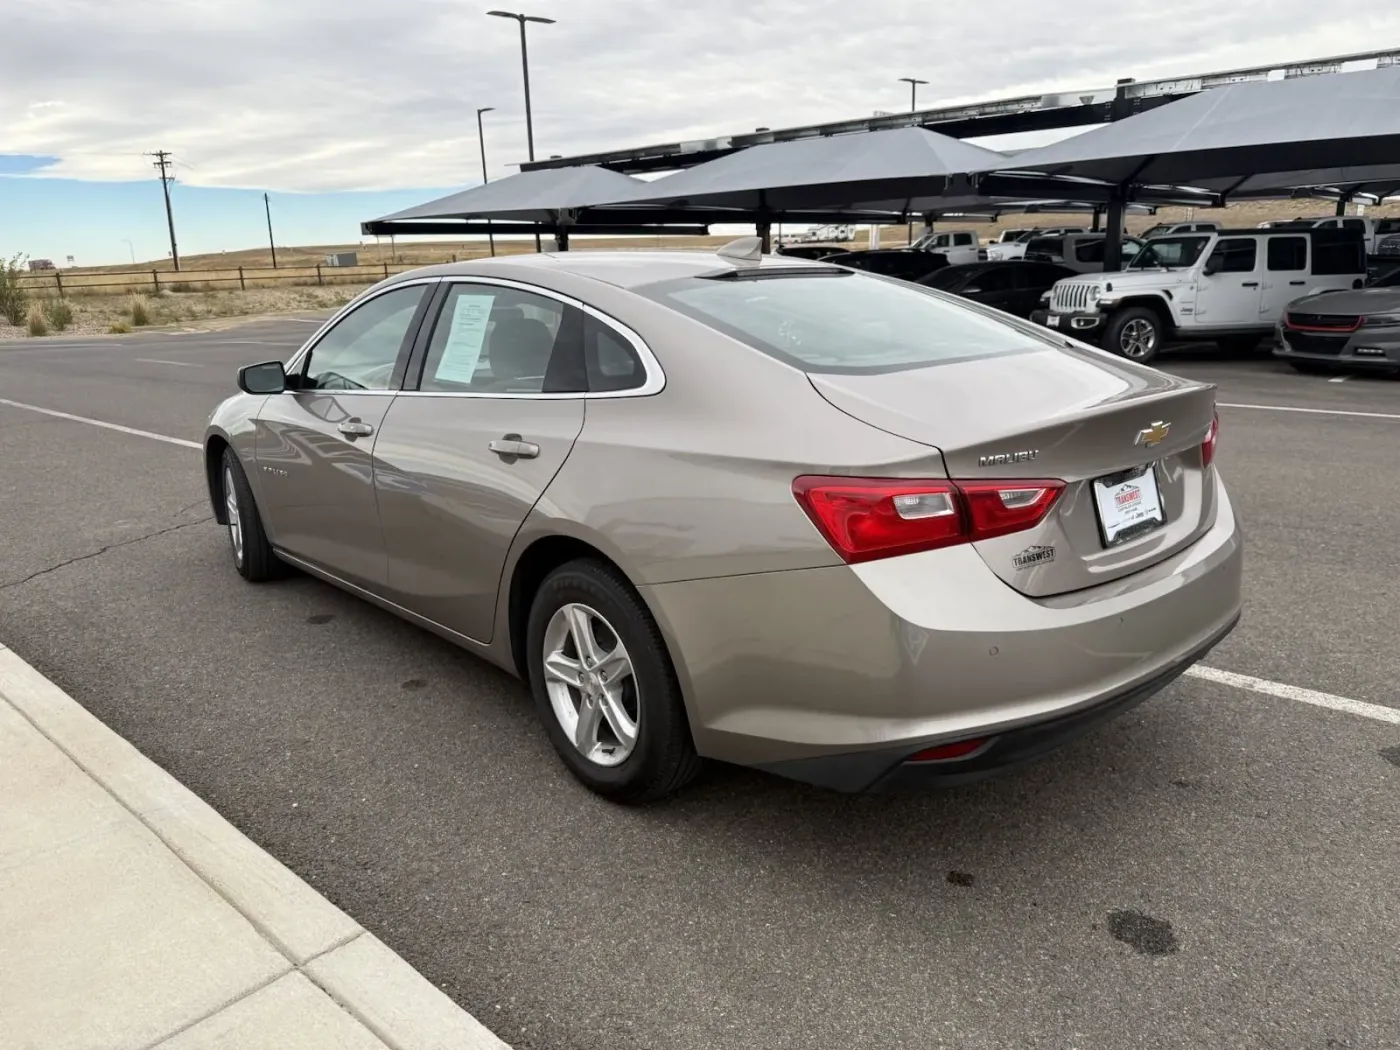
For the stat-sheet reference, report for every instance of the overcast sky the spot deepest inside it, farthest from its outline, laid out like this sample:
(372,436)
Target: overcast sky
(333,95)
(315,95)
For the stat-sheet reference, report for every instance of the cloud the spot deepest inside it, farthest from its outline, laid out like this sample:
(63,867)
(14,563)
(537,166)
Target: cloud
(316,95)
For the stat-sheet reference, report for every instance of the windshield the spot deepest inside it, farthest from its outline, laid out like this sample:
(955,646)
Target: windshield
(1169,252)
(842,323)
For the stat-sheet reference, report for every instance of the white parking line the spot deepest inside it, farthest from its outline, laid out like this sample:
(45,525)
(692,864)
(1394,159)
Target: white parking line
(1339,379)
(101,423)
(1312,411)
(159,361)
(1377,712)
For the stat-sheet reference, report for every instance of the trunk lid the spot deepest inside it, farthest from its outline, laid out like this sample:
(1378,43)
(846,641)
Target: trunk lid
(1072,414)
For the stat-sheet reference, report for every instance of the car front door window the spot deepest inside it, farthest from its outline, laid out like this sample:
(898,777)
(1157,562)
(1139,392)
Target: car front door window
(362,350)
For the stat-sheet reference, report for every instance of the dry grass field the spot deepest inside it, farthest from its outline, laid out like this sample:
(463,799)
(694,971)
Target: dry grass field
(212,287)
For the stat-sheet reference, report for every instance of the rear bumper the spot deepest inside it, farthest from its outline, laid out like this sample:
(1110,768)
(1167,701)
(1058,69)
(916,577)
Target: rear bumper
(1364,348)
(892,770)
(858,667)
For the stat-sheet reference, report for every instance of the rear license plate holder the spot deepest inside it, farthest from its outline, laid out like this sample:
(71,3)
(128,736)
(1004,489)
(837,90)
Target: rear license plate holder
(1129,504)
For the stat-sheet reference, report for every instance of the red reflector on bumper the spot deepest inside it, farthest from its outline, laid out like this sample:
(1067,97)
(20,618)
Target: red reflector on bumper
(945,752)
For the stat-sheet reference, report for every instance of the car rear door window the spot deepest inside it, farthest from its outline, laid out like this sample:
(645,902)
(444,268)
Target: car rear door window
(1288,253)
(492,339)
(362,350)
(1089,251)
(997,279)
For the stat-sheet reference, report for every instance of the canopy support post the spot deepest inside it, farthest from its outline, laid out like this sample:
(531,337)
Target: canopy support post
(1098,217)
(561,239)
(1113,234)
(1342,203)
(765,230)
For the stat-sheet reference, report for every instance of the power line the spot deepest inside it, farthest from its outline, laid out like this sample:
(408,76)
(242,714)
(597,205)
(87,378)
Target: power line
(163,163)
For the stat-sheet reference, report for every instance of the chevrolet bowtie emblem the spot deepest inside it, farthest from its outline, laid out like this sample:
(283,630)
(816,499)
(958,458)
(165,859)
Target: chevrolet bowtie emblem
(1153,435)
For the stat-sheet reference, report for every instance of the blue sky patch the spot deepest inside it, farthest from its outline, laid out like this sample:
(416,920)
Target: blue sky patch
(23,163)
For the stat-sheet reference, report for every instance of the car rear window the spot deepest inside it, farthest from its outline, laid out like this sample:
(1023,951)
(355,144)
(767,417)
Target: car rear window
(843,323)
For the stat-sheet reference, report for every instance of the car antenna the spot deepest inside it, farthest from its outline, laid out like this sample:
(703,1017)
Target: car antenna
(745,249)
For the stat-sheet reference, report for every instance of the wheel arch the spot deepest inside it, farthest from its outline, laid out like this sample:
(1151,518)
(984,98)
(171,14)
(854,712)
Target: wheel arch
(215,445)
(1156,304)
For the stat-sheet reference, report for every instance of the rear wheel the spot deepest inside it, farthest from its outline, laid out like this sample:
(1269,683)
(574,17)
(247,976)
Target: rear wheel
(605,688)
(1136,333)
(253,556)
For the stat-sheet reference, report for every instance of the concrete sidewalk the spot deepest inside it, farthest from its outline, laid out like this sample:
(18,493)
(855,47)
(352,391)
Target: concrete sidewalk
(133,916)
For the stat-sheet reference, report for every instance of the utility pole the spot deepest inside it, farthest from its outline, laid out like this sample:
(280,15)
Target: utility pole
(267,207)
(162,164)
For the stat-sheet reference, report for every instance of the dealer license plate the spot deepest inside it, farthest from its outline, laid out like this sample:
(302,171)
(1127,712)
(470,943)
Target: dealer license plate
(1129,504)
(1053,320)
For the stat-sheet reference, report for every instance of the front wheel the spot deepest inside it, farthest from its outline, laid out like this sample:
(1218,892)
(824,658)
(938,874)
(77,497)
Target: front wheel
(253,555)
(605,688)
(1136,333)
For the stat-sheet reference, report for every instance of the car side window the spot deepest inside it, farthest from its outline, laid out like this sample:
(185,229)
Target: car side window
(1235,255)
(611,360)
(991,280)
(361,351)
(962,239)
(1288,253)
(490,339)
(1089,251)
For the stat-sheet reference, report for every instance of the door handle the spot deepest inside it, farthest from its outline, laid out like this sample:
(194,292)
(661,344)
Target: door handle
(353,428)
(1298,284)
(1249,284)
(512,447)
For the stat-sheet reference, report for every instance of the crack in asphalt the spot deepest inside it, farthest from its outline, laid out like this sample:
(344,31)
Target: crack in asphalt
(109,547)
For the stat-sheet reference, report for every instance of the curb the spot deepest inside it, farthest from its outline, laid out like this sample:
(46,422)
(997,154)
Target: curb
(370,981)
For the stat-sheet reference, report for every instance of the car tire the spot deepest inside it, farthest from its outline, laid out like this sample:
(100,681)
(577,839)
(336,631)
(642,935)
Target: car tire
(253,555)
(660,758)
(1136,333)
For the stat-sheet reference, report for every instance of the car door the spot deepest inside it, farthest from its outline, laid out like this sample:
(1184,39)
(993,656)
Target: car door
(1285,275)
(1228,289)
(315,442)
(495,402)
(1031,281)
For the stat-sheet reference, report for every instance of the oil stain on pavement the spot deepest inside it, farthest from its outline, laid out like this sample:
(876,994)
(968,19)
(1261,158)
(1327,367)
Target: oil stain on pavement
(1142,933)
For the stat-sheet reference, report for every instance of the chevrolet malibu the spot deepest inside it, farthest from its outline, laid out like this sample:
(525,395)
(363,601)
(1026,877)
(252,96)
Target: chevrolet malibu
(761,510)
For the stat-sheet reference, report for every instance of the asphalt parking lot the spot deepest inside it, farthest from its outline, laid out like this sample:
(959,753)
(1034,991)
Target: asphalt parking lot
(1216,869)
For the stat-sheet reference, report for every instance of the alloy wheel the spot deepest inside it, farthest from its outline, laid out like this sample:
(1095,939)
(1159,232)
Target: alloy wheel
(235,521)
(1138,338)
(591,684)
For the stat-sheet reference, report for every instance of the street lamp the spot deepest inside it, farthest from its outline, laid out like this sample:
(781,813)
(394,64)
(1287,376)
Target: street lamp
(525,69)
(481,138)
(913,83)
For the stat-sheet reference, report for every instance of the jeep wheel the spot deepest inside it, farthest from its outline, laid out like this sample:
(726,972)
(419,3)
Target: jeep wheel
(1135,333)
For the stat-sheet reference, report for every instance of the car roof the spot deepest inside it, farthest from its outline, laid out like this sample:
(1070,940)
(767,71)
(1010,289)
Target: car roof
(624,269)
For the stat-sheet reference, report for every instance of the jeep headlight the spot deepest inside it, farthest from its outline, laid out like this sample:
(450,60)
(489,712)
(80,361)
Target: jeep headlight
(1094,292)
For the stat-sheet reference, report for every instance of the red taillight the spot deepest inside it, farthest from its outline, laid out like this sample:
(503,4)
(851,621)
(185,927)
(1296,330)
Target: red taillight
(867,518)
(947,752)
(1208,445)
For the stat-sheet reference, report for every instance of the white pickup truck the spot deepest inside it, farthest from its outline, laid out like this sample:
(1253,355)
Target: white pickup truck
(1228,287)
(960,246)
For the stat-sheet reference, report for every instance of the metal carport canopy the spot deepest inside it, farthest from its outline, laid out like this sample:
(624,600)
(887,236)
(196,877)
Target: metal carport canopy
(836,172)
(1254,130)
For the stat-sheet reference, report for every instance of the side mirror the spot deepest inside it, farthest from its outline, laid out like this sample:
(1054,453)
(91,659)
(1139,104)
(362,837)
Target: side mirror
(1211,268)
(266,378)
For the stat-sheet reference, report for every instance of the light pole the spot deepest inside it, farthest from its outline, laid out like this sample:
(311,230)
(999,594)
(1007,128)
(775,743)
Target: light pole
(525,70)
(481,138)
(913,83)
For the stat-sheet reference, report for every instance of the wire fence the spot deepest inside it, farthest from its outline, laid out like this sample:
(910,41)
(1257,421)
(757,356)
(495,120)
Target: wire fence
(154,281)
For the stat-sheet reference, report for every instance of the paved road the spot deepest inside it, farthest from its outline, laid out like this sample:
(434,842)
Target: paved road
(1216,869)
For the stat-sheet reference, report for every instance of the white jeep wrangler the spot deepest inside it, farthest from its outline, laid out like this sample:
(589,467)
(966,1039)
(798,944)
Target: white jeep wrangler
(1228,287)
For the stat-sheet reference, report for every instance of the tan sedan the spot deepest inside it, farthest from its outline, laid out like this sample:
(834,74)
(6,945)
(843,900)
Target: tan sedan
(766,511)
